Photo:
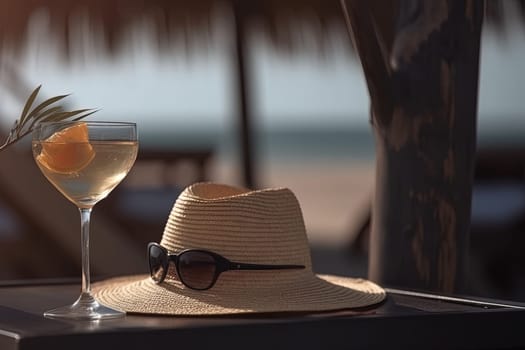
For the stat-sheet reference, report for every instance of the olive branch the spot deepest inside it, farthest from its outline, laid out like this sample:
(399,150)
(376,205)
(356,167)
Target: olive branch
(46,111)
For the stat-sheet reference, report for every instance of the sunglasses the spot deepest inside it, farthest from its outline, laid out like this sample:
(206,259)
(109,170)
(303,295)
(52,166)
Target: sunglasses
(198,269)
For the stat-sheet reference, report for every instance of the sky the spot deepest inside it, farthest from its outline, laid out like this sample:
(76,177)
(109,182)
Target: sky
(289,90)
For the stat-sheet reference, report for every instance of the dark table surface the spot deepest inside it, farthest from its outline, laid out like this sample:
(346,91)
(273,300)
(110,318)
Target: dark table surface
(403,321)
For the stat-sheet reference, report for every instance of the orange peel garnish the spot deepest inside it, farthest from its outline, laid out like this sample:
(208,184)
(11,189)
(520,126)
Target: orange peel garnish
(68,150)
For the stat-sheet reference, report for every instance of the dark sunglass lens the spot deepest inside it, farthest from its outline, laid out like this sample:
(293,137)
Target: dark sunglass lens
(197,269)
(157,263)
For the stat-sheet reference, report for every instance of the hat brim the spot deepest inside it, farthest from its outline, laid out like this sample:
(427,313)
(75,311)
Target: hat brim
(140,295)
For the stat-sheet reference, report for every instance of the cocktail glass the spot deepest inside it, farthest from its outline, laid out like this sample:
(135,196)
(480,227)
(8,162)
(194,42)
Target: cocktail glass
(85,161)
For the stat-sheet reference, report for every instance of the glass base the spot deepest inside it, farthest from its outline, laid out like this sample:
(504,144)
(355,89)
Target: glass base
(85,308)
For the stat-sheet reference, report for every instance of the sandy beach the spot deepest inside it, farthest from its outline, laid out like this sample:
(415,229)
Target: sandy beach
(334,195)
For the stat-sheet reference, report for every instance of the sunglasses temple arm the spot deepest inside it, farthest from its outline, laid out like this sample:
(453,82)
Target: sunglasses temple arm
(243,266)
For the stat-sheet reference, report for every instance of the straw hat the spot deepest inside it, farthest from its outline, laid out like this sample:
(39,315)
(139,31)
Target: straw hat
(261,227)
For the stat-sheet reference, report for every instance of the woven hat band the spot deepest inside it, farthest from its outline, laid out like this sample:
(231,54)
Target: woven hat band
(263,227)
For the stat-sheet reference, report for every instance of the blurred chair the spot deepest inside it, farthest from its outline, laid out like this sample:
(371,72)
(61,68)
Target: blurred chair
(497,235)
(49,244)
(40,229)
(142,203)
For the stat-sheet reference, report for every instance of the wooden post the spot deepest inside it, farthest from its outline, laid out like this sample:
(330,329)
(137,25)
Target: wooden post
(244,127)
(420,60)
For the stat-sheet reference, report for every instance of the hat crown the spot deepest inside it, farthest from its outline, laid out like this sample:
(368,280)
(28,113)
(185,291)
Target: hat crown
(264,226)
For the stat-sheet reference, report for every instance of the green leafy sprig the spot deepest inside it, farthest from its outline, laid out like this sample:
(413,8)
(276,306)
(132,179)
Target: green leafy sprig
(46,111)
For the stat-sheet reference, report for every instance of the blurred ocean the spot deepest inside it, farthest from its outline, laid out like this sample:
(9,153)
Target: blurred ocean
(283,144)
(321,144)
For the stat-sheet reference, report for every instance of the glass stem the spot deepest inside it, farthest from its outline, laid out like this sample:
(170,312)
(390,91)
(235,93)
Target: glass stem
(85,216)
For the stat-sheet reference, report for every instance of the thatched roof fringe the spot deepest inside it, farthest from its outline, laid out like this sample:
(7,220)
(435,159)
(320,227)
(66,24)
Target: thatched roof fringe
(183,20)
(113,18)
(170,20)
